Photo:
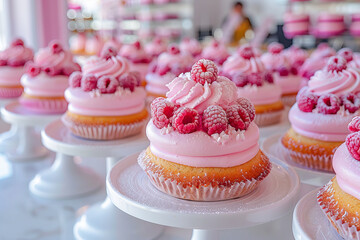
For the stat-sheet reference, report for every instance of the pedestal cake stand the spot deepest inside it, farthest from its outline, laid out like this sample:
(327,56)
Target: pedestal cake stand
(67,179)
(27,141)
(131,191)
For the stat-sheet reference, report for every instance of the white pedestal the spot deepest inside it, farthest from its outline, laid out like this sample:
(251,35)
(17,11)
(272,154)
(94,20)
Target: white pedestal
(26,140)
(130,190)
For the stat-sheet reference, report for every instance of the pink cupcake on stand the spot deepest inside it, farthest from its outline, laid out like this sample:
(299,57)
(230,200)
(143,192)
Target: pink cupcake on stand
(46,79)
(216,52)
(12,67)
(156,47)
(165,68)
(138,58)
(329,25)
(285,75)
(192,46)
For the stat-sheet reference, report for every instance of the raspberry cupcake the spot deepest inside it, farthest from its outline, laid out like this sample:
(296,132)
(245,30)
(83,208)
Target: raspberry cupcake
(46,79)
(106,101)
(191,46)
(254,82)
(340,198)
(12,62)
(285,75)
(155,47)
(139,60)
(165,68)
(216,52)
(296,56)
(203,141)
(319,118)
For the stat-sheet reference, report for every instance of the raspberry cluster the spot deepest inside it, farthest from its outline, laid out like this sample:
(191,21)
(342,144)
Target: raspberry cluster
(8,61)
(257,79)
(105,84)
(353,140)
(327,103)
(214,119)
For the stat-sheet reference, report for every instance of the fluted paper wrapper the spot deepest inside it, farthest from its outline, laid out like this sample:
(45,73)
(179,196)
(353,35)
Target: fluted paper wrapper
(10,92)
(45,105)
(268,118)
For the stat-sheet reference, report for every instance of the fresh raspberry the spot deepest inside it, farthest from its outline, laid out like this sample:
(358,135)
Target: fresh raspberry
(240,80)
(307,101)
(269,77)
(248,106)
(158,40)
(246,51)
(15,62)
(3,62)
(107,84)
(238,117)
(162,70)
(204,71)
(68,70)
(255,79)
(351,102)
(162,112)
(186,120)
(32,69)
(52,70)
(130,80)
(108,52)
(153,67)
(173,49)
(302,91)
(346,53)
(75,80)
(137,45)
(283,71)
(55,47)
(328,104)
(336,63)
(88,83)
(17,42)
(275,48)
(354,125)
(353,145)
(293,70)
(214,119)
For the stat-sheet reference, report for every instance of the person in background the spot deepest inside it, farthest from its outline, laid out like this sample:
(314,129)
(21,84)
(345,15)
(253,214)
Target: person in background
(235,25)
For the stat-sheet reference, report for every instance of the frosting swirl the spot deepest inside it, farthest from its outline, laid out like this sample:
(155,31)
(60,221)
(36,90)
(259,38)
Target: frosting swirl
(156,47)
(216,52)
(134,53)
(114,66)
(16,55)
(296,56)
(191,46)
(235,64)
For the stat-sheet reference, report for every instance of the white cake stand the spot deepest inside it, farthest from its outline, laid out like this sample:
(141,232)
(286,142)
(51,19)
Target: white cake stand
(309,222)
(130,190)
(272,147)
(27,141)
(68,179)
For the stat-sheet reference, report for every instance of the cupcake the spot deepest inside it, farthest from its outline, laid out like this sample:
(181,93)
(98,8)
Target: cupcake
(340,198)
(12,62)
(296,56)
(106,101)
(191,46)
(46,79)
(203,141)
(254,82)
(319,118)
(139,60)
(113,43)
(155,47)
(216,52)
(165,68)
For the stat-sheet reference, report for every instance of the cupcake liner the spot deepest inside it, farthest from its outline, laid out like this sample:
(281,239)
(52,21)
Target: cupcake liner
(343,228)
(268,118)
(44,105)
(11,92)
(104,132)
(289,100)
(201,193)
(318,162)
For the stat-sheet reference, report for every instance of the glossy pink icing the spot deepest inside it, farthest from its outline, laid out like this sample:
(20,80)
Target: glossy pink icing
(198,149)
(236,64)
(45,57)
(10,76)
(191,46)
(215,52)
(347,171)
(17,54)
(186,92)
(123,102)
(266,94)
(45,85)
(312,65)
(115,66)
(331,128)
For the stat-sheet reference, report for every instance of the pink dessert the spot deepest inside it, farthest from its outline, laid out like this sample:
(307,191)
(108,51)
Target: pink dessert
(138,58)
(78,43)
(94,45)
(12,62)
(329,25)
(296,24)
(46,79)
(156,47)
(255,83)
(165,68)
(192,46)
(216,52)
(355,25)
(113,43)
(105,100)
(284,73)
(296,56)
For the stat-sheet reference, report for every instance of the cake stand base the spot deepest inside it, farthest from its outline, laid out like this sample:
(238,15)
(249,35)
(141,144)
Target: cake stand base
(199,234)
(65,179)
(9,139)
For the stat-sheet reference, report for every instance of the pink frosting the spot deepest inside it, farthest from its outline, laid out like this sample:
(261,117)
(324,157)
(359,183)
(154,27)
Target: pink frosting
(10,76)
(17,54)
(182,60)
(141,68)
(236,64)
(347,171)
(134,54)
(288,84)
(45,85)
(338,83)
(45,57)
(123,102)
(216,52)
(156,47)
(331,128)
(191,46)
(323,51)
(266,94)
(186,92)
(157,84)
(113,43)
(312,65)
(198,149)
(115,66)
(273,62)
(296,56)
